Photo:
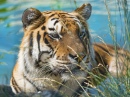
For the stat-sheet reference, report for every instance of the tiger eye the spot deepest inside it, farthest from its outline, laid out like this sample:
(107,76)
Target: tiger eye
(54,36)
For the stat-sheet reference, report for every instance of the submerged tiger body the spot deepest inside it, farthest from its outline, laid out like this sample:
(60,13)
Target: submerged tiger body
(56,53)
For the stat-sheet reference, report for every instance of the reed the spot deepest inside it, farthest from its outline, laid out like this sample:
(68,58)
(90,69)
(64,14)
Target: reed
(120,86)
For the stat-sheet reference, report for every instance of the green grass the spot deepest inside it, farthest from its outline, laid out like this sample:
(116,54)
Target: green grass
(120,86)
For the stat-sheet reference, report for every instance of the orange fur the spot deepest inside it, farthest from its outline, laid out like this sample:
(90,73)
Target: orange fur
(56,53)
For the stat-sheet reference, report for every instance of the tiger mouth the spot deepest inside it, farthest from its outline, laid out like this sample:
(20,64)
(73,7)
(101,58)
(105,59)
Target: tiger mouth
(63,70)
(66,67)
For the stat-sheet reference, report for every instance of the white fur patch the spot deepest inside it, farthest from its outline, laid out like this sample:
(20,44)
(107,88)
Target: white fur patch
(57,27)
(115,67)
(52,62)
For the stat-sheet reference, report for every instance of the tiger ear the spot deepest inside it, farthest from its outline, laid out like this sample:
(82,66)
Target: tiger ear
(85,10)
(29,16)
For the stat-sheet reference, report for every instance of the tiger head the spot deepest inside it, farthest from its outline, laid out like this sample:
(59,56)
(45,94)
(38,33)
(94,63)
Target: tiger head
(57,41)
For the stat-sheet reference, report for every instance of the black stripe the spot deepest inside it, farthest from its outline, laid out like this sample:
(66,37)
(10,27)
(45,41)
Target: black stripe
(50,47)
(61,29)
(37,65)
(54,53)
(103,49)
(102,70)
(70,17)
(39,56)
(46,52)
(48,12)
(65,13)
(15,85)
(31,44)
(45,33)
(77,21)
(113,48)
(43,28)
(31,83)
(51,29)
(99,59)
(46,41)
(56,22)
(65,63)
(26,68)
(87,34)
(51,15)
(54,18)
(79,90)
(61,86)
(38,40)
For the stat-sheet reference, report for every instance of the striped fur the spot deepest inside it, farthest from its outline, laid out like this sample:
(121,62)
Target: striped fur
(56,53)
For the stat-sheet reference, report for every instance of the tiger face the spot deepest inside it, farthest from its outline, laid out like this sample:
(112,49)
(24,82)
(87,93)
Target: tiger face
(57,41)
(56,47)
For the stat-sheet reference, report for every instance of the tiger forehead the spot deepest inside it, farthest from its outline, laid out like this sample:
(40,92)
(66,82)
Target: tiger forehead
(58,14)
(65,19)
(55,12)
(59,21)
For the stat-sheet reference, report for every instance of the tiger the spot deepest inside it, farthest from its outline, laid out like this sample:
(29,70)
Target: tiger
(57,53)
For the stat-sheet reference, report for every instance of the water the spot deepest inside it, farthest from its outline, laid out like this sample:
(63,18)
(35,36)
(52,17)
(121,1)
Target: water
(11,26)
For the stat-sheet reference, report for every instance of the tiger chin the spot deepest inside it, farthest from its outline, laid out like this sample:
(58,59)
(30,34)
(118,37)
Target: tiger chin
(56,53)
